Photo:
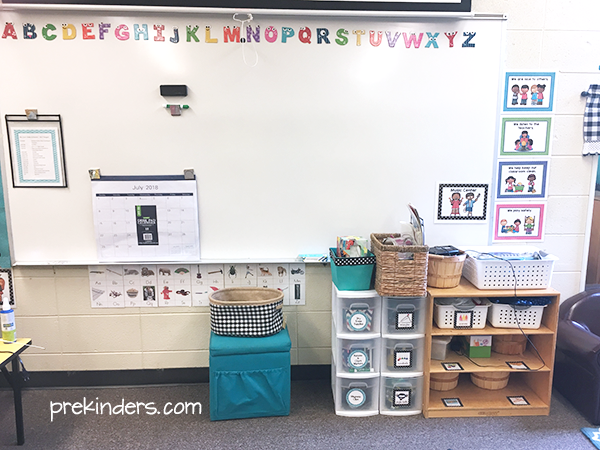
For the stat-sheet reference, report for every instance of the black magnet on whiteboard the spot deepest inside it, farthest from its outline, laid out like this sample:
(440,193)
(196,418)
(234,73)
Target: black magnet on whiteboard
(173,90)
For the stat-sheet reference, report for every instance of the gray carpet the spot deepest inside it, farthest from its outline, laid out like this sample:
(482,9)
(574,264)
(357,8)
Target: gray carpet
(312,424)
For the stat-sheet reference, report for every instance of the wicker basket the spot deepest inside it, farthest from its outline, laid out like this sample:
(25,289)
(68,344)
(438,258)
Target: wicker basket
(511,344)
(445,271)
(400,271)
(443,381)
(490,380)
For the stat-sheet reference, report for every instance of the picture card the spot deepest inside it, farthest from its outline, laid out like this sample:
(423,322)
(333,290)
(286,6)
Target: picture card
(463,319)
(519,222)
(522,179)
(525,137)
(452,402)
(402,398)
(518,400)
(463,202)
(452,366)
(517,365)
(529,91)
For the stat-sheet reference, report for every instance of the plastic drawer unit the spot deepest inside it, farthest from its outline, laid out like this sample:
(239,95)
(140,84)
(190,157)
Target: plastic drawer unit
(401,396)
(403,354)
(355,397)
(359,357)
(249,376)
(403,315)
(357,312)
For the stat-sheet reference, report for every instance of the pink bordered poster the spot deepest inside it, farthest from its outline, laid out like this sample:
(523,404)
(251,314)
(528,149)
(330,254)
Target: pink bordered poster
(519,222)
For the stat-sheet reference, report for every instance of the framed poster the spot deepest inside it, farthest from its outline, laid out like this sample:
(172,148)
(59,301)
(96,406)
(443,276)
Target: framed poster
(519,222)
(522,179)
(36,151)
(465,203)
(525,137)
(529,91)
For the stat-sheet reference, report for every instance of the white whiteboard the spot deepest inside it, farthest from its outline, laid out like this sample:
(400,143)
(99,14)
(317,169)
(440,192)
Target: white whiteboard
(315,141)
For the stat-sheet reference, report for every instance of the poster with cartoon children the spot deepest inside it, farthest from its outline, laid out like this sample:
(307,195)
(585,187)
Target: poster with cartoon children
(525,136)
(529,91)
(522,179)
(522,222)
(462,203)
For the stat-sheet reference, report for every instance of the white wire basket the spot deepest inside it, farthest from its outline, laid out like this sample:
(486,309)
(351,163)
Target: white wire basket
(449,316)
(508,274)
(507,316)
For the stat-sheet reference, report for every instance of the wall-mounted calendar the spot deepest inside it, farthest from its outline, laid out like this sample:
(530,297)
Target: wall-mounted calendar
(146,219)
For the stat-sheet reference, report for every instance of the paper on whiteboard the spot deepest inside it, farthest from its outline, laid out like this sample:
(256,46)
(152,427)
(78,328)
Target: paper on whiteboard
(146,220)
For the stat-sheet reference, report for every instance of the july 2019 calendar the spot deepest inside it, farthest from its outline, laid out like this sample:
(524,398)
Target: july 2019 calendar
(146,218)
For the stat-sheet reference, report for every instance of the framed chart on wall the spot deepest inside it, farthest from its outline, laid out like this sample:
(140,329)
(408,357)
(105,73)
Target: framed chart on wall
(36,151)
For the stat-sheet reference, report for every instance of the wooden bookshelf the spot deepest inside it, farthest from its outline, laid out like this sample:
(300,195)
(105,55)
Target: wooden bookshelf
(533,385)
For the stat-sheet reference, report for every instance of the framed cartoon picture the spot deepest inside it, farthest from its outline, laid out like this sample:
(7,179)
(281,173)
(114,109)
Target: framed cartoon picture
(525,137)
(6,287)
(529,91)
(519,222)
(522,179)
(465,203)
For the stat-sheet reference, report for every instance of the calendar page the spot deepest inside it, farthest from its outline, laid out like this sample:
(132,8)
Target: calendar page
(146,219)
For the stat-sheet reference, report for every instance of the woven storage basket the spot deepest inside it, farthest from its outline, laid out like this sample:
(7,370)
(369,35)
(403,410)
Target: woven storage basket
(490,380)
(395,276)
(445,271)
(511,344)
(443,381)
(246,311)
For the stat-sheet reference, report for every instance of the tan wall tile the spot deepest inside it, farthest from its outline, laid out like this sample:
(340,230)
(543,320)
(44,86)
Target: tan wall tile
(175,332)
(98,334)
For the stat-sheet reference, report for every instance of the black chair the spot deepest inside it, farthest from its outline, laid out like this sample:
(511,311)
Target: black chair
(577,365)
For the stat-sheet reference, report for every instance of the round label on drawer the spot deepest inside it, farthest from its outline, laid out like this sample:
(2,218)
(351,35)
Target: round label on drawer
(358,359)
(356,397)
(358,321)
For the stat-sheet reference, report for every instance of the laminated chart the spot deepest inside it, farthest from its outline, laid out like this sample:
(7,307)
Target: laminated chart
(146,219)
(160,285)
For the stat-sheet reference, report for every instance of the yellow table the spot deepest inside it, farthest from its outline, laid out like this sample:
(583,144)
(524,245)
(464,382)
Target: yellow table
(9,353)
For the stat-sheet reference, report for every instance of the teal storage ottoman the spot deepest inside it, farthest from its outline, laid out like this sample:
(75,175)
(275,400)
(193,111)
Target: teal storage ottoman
(249,376)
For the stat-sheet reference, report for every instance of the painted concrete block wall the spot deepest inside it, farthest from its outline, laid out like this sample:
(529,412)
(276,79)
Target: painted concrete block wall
(542,35)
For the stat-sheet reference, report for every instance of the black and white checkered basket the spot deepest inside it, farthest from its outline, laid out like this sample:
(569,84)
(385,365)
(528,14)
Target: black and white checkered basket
(246,311)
